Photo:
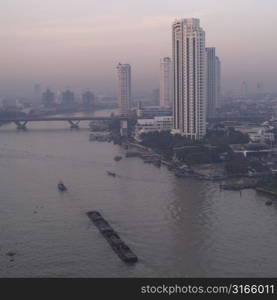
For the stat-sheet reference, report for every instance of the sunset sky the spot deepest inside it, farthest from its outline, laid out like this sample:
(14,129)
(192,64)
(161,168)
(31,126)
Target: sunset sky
(77,44)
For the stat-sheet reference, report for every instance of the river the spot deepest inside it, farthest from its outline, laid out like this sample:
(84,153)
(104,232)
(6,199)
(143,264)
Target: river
(177,227)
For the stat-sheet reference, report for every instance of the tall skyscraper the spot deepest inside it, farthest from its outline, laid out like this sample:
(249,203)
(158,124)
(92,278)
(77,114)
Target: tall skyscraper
(244,89)
(218,82)
(155,97)
(166,82)
(48,98)
(37,92)
(68,97)
(124,88)
(260,88)
(189,68)
(88,98)
(213,81)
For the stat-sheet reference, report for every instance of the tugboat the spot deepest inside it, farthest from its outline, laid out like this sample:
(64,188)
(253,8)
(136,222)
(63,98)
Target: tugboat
(61,186)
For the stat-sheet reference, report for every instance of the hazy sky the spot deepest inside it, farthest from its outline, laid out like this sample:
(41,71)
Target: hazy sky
(78,43)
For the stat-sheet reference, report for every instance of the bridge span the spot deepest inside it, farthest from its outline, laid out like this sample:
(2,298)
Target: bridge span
(21,122)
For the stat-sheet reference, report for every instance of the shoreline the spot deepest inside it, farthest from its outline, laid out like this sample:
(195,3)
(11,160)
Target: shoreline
(266,191)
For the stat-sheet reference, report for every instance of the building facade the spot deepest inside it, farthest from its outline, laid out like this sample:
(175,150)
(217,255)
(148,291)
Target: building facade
(164,123)
(218,82)
(166,82)
(213,81)
(88,98)
(68,97)
(48,98)
(153,111)
(124,88)
(189,69)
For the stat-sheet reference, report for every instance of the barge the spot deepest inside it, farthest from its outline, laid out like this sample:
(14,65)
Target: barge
(119,247)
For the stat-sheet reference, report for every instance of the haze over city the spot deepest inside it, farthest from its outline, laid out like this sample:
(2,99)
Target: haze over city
(77,44)
(139,140)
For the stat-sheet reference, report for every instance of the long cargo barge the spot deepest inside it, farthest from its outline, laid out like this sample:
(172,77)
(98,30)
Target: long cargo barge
(119,247)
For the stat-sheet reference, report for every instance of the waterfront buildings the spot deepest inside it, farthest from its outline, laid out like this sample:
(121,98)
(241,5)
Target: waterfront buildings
(166,82)
(164,123)
(190,78)
(257,134)
(153,111)
(124,88)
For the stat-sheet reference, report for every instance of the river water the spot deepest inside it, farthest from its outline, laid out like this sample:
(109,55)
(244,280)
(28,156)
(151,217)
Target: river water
(177,227)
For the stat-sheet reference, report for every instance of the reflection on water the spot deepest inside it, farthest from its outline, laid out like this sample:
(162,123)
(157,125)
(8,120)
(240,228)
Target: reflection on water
(177,227)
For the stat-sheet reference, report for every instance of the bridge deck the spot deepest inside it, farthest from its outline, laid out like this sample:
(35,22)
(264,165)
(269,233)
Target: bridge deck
(42,119)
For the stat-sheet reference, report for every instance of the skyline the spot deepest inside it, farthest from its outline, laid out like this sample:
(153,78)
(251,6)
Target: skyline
(62,46)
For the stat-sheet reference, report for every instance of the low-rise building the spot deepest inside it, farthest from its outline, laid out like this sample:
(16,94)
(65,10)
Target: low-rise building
(164,123)
(153,111)
(258,134)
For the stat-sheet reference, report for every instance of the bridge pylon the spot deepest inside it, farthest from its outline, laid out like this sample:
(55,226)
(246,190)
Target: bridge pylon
(74,125)
(21,125)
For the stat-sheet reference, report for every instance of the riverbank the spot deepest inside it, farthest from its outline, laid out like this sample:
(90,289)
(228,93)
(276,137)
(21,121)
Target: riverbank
(266,191)
(208,172)
(211,172)
(240,184)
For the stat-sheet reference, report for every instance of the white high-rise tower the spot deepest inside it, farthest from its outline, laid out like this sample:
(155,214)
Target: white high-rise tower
(189,67)
(124,88)
(166,82)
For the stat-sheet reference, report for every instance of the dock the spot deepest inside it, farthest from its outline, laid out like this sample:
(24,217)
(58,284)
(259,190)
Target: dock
(119,247)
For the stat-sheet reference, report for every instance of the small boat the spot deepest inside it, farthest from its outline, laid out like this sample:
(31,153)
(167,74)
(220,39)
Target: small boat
(117,158)
(111,173)
(157,163)
(61,186)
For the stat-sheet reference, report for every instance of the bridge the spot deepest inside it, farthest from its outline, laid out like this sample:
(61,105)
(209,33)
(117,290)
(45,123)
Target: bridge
(21,122)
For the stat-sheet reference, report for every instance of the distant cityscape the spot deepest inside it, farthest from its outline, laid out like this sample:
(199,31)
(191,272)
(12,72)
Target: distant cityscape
(161,152)
(190,103)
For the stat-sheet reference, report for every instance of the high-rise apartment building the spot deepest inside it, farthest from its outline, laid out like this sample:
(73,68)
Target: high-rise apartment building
(218,83)
(48,98)
(166,82)
(243,89)
(68,97)
(88,98)
(124,88)
(213,81)
(189,68)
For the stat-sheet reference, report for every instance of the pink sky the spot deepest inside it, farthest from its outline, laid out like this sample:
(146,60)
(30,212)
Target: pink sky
(79,43)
